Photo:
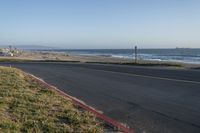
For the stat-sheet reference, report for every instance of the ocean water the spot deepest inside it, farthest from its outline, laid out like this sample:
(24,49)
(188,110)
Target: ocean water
(176,55)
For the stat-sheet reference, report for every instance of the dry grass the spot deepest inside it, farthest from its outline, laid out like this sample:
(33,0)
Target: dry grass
(27,107)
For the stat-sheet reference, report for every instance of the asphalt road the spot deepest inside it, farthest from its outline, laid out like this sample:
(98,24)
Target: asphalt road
(150,100)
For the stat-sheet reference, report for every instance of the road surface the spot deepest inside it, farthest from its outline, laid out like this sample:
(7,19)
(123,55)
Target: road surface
(149,100)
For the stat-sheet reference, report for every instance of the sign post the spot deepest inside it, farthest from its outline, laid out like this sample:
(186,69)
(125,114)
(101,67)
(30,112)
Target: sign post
(135,54)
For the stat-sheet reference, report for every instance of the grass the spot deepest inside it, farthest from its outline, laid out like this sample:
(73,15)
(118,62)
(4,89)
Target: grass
(28,107)
(12,60)
(29,60)
(141,64)
(164,64)
(196,68)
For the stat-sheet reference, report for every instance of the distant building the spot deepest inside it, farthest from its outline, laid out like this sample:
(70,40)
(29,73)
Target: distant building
(10,54)
(6,52)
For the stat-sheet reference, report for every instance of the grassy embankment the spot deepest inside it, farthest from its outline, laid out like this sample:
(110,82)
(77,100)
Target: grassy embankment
(29,60)
(116,63)
(26,106)
(164,64)
(12,60)
(196,68)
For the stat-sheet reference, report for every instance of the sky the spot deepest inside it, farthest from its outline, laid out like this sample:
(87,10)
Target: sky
(77,24)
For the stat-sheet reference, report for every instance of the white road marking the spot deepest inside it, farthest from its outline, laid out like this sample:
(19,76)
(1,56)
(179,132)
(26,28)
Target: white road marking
(153,77)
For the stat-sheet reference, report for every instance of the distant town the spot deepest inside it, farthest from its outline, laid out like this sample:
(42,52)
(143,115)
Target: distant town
(10,51)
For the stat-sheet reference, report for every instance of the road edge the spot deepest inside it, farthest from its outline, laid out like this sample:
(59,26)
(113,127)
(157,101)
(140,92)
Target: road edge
(83,105)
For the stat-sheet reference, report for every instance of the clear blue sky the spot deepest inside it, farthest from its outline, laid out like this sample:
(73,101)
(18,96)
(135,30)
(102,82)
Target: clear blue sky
(100,23)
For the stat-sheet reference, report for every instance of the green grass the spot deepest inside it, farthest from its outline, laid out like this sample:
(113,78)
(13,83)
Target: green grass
(165,64)
(196,68)
(12,60)
(28,107)
(142,64)
(30,60)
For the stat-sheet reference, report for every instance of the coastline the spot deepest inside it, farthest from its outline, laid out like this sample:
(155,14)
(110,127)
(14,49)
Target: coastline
(63,57)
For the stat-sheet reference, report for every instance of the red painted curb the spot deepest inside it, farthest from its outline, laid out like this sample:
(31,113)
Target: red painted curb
(100,115)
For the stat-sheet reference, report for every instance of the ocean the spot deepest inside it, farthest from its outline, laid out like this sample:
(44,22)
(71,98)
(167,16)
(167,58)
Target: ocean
(185,55)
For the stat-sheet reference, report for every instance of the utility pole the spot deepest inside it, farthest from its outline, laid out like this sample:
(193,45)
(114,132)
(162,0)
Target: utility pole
(135,54)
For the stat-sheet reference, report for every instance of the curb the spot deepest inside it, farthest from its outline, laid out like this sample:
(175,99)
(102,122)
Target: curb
(98,114)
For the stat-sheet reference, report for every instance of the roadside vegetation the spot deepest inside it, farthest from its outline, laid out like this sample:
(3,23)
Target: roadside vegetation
(26,106)
(164,64)
(196,68)
(10,59)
